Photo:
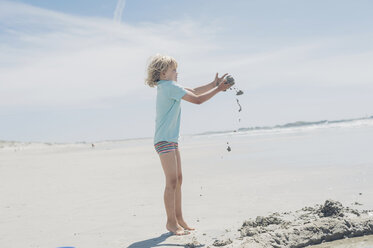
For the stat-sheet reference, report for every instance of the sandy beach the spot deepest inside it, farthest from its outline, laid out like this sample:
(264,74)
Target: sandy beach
(111,195)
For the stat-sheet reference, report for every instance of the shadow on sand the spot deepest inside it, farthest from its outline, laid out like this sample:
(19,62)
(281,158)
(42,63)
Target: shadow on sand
(154,242)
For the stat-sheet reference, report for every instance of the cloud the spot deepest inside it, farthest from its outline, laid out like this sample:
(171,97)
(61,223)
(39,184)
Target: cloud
(307,64)
(119,10)
(63,60)
(59,60)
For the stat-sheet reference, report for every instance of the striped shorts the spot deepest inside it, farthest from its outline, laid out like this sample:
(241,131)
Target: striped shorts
(165,146)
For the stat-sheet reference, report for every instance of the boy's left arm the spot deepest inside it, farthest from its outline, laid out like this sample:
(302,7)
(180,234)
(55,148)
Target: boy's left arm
(202,89)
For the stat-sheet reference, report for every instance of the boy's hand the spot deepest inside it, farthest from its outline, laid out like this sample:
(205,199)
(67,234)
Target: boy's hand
(219,80)
(223,86)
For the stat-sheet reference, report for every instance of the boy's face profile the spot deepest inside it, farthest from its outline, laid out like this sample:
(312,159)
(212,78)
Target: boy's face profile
(170,74)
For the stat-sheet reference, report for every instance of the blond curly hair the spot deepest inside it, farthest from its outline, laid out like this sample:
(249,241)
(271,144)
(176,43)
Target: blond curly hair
(158,64)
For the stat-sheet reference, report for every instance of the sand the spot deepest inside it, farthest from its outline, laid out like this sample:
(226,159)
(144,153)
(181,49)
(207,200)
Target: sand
(307,226)
(111,195)
(359,242)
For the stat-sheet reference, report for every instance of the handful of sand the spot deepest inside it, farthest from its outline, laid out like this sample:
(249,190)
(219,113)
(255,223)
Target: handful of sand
(229,80)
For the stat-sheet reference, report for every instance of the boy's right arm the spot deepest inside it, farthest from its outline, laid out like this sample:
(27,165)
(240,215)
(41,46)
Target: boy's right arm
(199,99)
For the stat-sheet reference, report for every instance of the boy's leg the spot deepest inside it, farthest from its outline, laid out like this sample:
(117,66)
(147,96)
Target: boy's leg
(178,211)
(178,207)
(169,165)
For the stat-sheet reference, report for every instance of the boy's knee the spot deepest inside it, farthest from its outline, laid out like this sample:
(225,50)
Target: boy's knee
(172,183)
(179,179)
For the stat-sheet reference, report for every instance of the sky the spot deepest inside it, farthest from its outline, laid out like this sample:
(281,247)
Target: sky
(73,71)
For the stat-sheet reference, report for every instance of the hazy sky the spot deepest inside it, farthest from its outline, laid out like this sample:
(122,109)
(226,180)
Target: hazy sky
(74,70)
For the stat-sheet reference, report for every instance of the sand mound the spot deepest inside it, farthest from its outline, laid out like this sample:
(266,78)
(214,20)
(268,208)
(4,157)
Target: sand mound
(308,226)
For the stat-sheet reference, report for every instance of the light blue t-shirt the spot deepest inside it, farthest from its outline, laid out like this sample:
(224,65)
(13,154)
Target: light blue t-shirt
(168,111)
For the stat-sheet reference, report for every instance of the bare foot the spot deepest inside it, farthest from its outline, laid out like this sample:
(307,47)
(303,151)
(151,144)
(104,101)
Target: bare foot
(185,225)
(176,229)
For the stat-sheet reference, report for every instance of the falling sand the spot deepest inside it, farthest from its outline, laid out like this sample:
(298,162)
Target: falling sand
(230,80)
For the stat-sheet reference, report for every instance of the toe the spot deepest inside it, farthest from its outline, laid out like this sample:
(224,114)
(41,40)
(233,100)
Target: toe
(184,232)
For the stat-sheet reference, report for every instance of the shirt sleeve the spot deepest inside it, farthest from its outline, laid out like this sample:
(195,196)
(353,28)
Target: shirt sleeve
(176,91)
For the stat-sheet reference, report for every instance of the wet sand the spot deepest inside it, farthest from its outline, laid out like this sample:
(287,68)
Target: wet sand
(307,226)
(360,242)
